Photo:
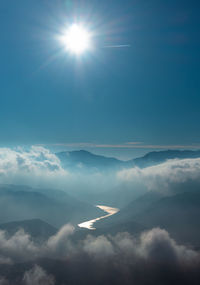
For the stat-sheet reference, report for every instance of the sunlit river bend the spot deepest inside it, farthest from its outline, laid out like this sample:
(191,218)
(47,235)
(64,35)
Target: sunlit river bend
(89,224)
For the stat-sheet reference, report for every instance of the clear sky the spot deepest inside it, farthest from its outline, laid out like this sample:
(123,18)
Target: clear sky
(146,93)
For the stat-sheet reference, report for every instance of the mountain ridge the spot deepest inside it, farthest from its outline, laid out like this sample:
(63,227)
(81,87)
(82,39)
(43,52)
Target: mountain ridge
(82,158)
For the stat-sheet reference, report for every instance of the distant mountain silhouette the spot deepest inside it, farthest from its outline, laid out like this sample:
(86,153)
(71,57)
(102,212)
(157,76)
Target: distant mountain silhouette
(36,228)
(157,157)
(84,159)
(52,206)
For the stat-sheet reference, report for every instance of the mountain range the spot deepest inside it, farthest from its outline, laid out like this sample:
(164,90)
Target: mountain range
(83,159)
(178,214)
(52,206)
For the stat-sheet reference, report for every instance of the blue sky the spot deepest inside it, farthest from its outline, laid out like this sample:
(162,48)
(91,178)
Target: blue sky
(146,93)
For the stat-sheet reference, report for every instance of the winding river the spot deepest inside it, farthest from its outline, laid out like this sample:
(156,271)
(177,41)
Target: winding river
(89,224)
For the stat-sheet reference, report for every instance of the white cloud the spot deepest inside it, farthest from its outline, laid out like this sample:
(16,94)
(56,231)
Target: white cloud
(168,176)
(155,244)
(33,166)
(18,247)
(59,245)
(147,255)
(99,246)
(37,276)
(39,167)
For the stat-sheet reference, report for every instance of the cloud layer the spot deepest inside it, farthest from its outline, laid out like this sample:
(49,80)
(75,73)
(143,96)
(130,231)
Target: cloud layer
(39,167)
(148,259)
(171,176)
(37,276)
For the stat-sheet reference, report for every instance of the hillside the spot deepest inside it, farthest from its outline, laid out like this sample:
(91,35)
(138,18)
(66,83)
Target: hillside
(36,228)
(54,207)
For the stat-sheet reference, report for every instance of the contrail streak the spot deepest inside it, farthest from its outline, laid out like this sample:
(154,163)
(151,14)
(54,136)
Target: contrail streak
(118,46)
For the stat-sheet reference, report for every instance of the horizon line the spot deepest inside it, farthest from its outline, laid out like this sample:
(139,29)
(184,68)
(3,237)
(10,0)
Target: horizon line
(128,145)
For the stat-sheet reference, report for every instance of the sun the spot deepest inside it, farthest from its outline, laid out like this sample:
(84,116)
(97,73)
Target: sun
(76,39)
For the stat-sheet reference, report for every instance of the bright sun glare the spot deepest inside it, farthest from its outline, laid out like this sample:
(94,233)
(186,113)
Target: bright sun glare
(76,39)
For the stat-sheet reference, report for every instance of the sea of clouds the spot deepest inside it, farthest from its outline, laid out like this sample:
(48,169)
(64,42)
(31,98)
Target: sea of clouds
(152,258)
(39,167)
(148,259)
